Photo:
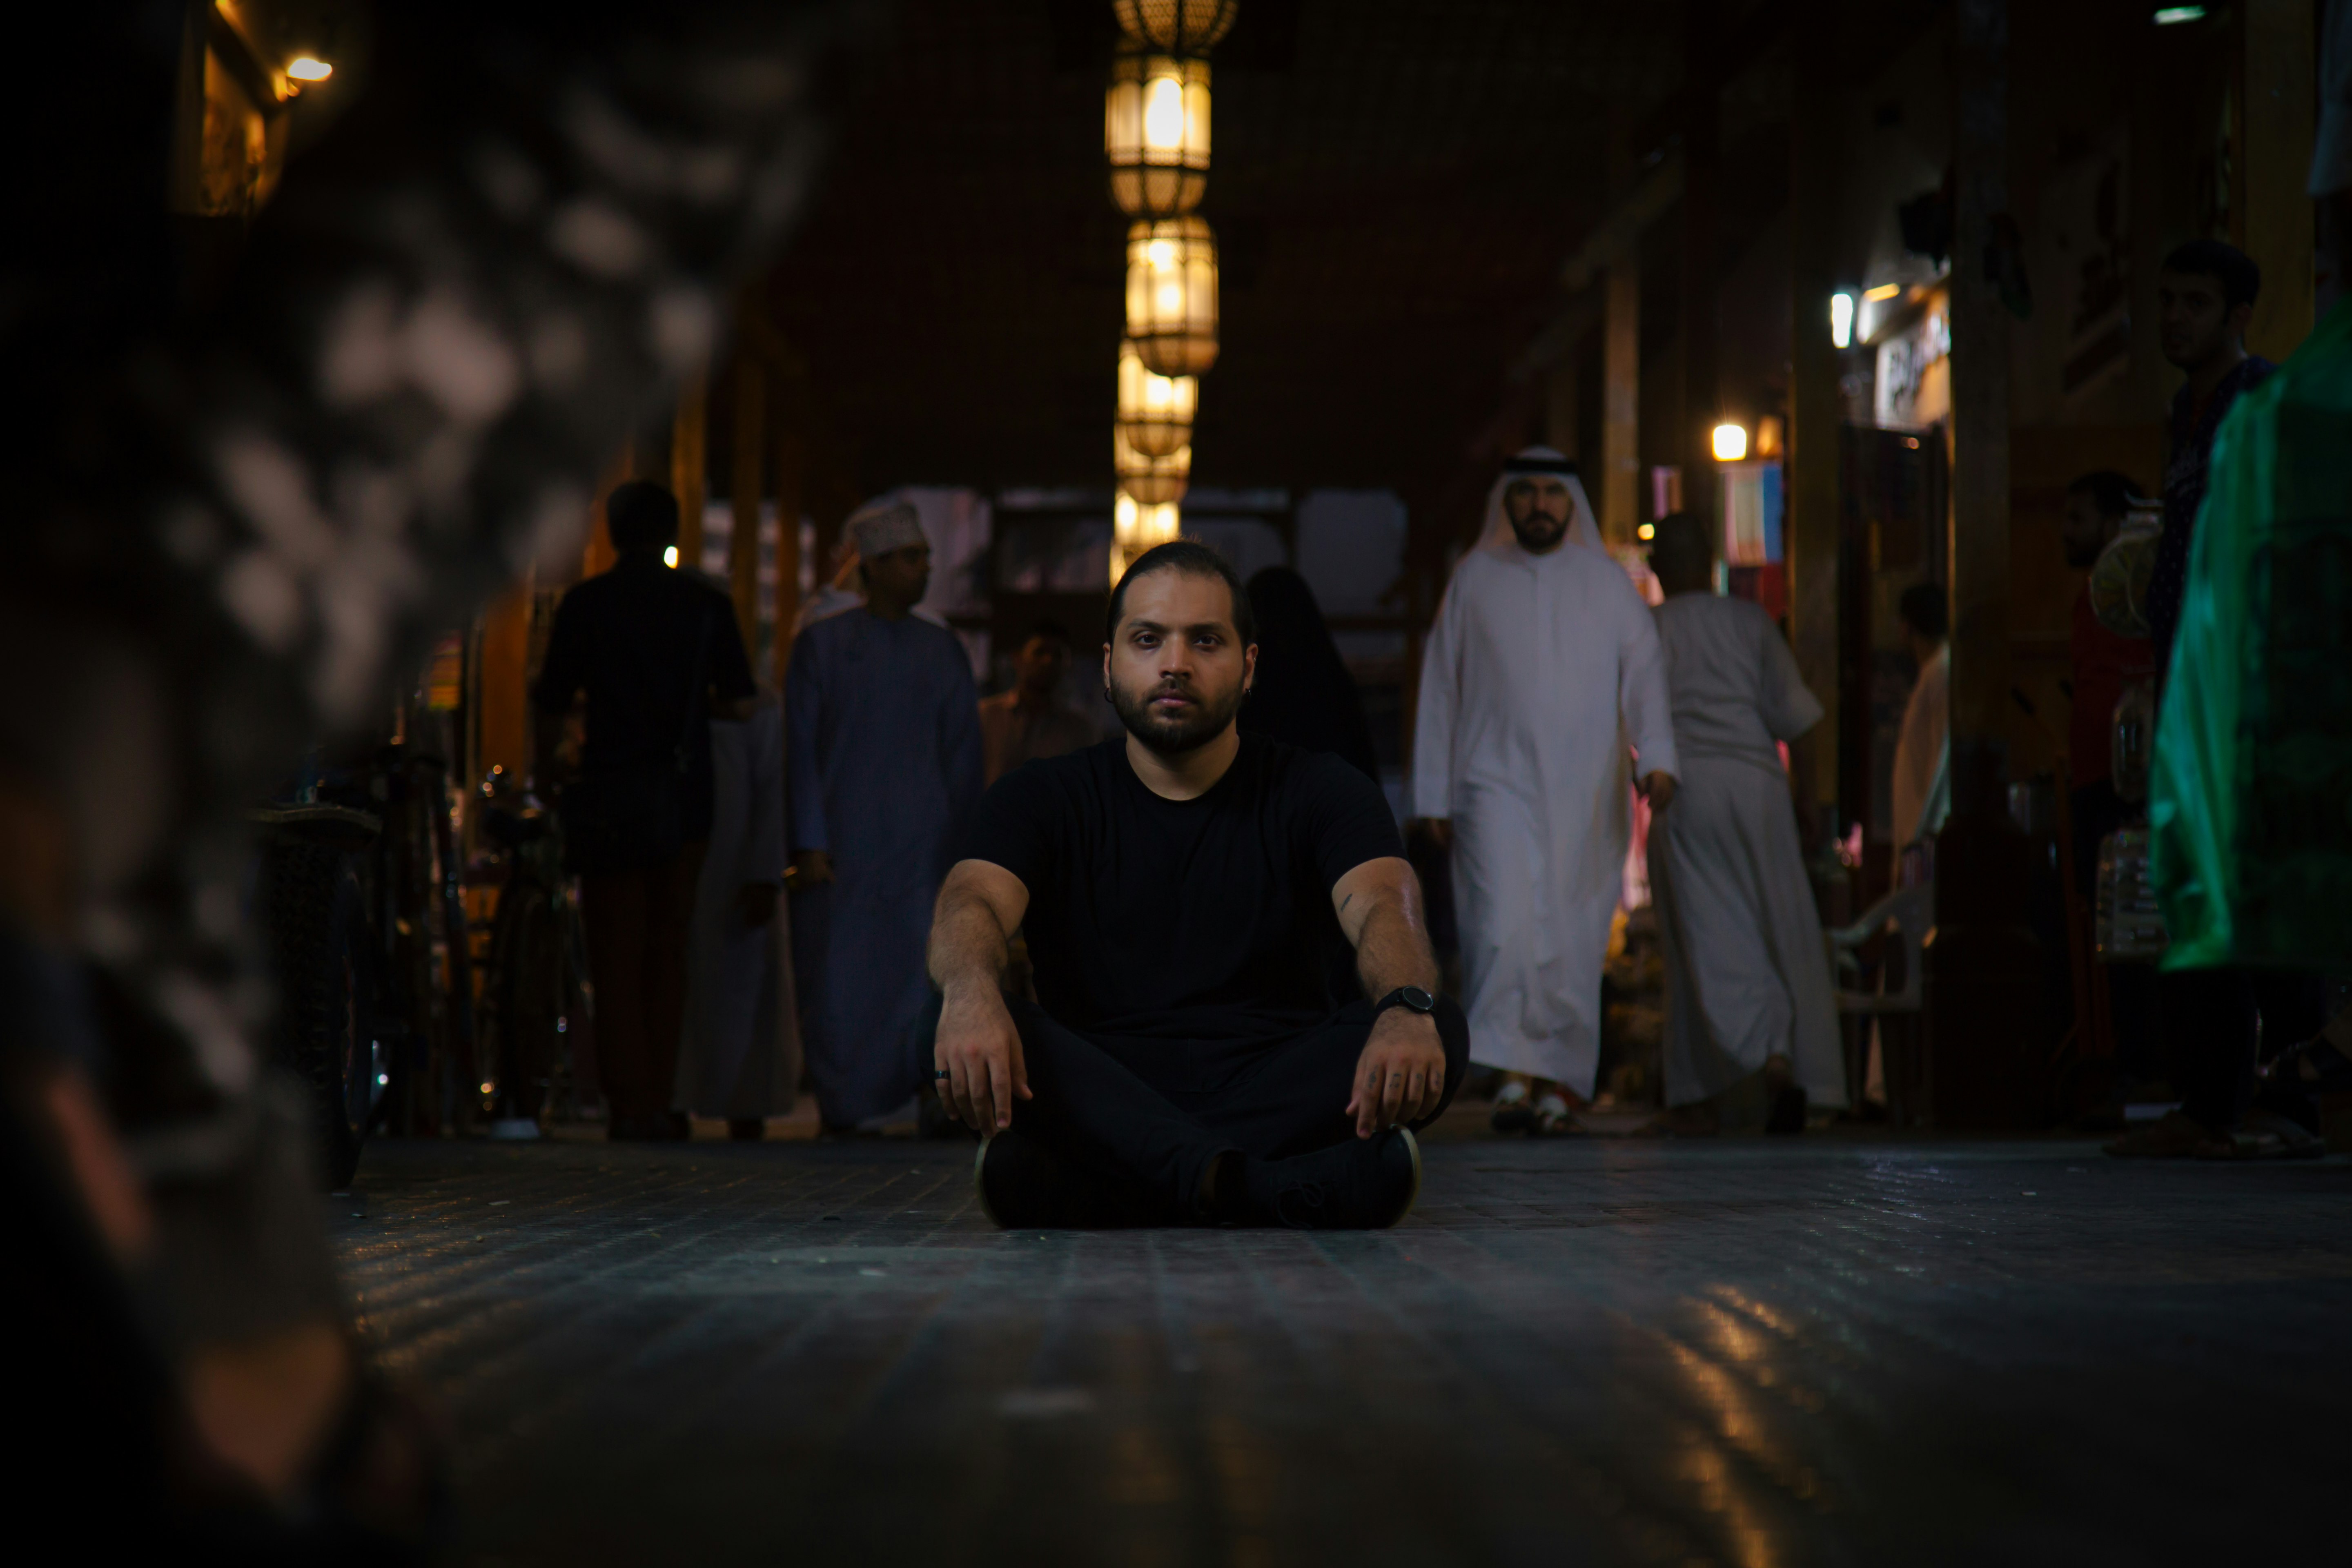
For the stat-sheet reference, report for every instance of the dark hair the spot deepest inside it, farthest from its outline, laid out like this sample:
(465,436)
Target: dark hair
(640,515)
(1195,560)
(2241,279)
(2111,492)
(1922,610)
(1682,539)
(1051,631)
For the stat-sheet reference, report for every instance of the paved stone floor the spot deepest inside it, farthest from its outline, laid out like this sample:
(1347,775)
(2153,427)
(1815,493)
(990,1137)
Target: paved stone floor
(1801,1351)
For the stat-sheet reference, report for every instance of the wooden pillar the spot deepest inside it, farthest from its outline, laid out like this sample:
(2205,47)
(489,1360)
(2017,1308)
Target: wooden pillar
(1701,293)
(790,460)
(2274,221)
(1979,359)
(689,460)
(1815,160)
(1989,1034)
(501,671)
(1559,402)
(1621,400)
(745,485)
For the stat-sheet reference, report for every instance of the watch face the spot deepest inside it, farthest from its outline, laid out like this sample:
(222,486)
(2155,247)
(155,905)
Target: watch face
(1414,997)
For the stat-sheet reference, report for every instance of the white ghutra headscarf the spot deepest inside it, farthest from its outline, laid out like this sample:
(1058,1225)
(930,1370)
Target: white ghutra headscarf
(1582,527)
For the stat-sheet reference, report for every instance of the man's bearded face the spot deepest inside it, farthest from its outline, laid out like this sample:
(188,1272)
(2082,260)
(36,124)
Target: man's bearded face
(1539,509)
(1176,670)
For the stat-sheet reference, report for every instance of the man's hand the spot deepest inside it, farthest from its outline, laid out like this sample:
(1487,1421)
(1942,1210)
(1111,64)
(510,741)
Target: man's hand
(1401,1077)
(1658,789)
(979,1050)
(1440,829)
(756,902)
(811,867)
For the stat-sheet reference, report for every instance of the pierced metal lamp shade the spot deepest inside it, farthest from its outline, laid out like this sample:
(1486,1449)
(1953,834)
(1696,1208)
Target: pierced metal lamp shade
(1155,412)
(1172,295)
(1178,26)
(1152,481)
(1155,134)
(1137,526)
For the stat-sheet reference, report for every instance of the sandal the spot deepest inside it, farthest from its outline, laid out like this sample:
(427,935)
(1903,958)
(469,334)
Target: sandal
(1512,1113)
(2172,1136)
(1553,1119)
(2314,1066)
(2264,1135)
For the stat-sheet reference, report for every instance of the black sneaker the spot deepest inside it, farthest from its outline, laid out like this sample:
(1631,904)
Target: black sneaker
(1365,1183)
(1024,1185)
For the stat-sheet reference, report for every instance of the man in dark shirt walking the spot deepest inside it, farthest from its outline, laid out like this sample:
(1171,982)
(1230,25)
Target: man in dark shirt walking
(657,650)
(2213,1021)
(1185,1061)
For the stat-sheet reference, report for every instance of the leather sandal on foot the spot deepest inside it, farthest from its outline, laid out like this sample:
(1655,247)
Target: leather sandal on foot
(2172,1136)
(1553,1120)
(2264,1135)
(1512,1113)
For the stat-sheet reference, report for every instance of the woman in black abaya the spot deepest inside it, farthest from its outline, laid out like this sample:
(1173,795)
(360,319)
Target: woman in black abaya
(1303,694)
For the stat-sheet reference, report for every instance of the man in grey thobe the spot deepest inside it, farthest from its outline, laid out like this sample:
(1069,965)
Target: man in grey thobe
(883,760)
(1747,977)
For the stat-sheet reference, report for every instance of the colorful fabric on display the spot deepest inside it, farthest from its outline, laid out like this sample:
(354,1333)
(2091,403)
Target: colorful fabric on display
(2251,798)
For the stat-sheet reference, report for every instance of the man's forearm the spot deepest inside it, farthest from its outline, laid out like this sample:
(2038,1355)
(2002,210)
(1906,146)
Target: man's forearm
(1394,950)
(968,947)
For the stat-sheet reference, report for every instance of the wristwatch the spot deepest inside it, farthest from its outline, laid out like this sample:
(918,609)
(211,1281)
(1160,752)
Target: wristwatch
(1412,998)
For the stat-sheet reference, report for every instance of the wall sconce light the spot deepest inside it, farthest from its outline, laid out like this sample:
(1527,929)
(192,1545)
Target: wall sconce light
(1730,442)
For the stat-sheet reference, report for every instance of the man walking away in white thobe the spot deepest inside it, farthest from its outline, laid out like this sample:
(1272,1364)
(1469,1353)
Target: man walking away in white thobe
(740,1055)
(1542,672)
(1747,978)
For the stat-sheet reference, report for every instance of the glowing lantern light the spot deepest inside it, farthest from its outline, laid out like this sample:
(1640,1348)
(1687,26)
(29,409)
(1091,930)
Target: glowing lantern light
(308,69)
(1156,133)
(1840,320)
(1153,482)
(1155,412)
(1137,526)
(1176,27)
(1730,443)
(1172,295)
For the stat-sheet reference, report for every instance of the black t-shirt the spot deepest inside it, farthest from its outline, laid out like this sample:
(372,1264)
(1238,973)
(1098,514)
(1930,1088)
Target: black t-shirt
(627,638)
(1204,920)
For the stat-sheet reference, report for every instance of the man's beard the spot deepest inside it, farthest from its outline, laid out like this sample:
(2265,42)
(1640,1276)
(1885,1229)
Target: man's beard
(1173,736)
(1537,530)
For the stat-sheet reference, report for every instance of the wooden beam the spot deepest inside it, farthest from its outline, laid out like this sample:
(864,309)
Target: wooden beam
(745,487)
(791,462)
(1620,403)
(2276,92)
(1815,160)
(689,462)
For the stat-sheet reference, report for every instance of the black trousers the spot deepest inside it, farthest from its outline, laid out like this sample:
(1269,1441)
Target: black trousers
(2213,1020)
(1146,1117)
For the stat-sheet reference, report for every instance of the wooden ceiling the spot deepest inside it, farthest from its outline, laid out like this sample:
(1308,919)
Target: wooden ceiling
(1395,184)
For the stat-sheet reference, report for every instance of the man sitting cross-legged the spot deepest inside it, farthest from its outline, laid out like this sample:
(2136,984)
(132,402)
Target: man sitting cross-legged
(1180,889)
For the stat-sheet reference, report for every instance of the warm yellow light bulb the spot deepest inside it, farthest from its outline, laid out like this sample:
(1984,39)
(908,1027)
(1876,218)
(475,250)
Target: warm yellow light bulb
(307,69)
(1164,115)
(1160,255)
(1647,531)
(1730,443)
(669,556)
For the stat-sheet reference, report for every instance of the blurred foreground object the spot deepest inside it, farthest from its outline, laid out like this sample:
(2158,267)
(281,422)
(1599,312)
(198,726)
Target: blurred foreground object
(2252,842)
(265,440)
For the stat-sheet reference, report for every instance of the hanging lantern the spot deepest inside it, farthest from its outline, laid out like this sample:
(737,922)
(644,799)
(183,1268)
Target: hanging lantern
(1172,295)
(1156,133)
(1137,526)
(1155,412)
(1153,482)
(1177,27)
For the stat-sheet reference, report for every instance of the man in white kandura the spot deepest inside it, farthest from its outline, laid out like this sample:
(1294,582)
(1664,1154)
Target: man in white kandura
(1747,979)
(1543,674)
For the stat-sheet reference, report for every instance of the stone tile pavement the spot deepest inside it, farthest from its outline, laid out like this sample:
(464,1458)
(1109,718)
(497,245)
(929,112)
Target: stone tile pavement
(1594,1352)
